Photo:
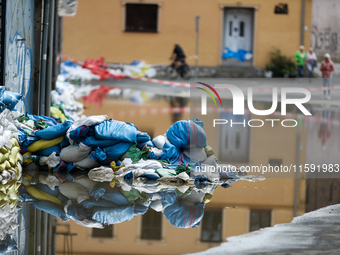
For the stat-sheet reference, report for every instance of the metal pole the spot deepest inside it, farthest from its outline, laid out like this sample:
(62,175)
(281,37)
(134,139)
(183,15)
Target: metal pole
(303,22)
(38,233)
(197,44)
(50,59)
(44,57)
(297,170)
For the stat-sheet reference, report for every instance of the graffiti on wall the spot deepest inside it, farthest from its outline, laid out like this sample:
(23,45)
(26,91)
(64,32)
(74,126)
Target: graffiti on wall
(18,49)
(19,68)
(325,40)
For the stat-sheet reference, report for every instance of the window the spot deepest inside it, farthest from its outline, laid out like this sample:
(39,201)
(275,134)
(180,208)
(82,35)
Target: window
(212,226)
(106,232)
(275,162)
(259,219)
(241,29)
(141,18)
(152,225)
(230,28)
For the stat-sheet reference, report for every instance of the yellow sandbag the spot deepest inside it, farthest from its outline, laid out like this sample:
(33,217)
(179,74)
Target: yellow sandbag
(2,195)
(41,195)
(3,150)
(2,158)
(209,151)
(13,156)
(44,144)
(113,182)
(12,193)
(5,165)
(15,142)
(56,113)
(207,198)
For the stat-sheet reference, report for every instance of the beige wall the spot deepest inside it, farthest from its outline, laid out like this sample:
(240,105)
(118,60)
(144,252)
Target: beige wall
(276,194)
(97,30)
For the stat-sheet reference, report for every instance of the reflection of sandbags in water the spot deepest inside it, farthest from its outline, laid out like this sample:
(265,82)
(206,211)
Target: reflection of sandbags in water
(85,182)
(73,190)
(178,180)
(74,153)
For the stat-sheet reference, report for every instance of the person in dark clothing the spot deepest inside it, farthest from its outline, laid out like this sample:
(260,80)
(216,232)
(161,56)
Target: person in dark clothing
(178,54)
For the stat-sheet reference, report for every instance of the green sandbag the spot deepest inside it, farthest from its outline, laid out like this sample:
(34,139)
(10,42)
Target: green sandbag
(136,154)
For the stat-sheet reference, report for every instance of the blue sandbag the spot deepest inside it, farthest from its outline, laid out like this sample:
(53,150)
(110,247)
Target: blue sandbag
(76,211)
(115,197)
(108,216)
(51,208)
(48,151)
(186,132)
(172,154)
(8,245)
(184,216)
(99,190)
(90,203)
(54,131)
(48,190)
(93,142)
(8,99)
(105,156)
(48,120)
(25,140)
(121,131)
(80,132)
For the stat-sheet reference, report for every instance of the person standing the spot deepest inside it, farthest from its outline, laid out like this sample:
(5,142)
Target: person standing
(327,67)
(311,60)
(300,57)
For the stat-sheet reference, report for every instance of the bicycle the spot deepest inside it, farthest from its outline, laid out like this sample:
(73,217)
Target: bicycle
(174,70)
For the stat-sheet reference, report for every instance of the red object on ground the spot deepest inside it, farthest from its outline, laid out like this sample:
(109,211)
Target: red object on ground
(99,67)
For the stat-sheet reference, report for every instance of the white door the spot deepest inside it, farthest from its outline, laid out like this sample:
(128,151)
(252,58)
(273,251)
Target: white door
(238,29)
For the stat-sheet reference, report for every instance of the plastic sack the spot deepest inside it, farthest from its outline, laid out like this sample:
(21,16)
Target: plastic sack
(85,182)
(87,121)
(94,142)
(7,244)
(75,153)
(184,216)
(73,190)
(50,180)
(41,195)
(52,209)
(159,141)
(54,132)
(186,132)
(57,114)
(51,161)
(108,216)
(195,153)
(112,153)
(48,120)
(87,163)
(120,131)
(101,174)
(44,144)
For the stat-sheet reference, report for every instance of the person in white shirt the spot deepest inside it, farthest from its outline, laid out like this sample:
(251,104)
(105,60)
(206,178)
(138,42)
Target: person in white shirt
(311,61)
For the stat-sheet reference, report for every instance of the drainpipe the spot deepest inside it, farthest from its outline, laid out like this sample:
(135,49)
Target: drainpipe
(44,57)
(296,192)
(50,59)
(303,22)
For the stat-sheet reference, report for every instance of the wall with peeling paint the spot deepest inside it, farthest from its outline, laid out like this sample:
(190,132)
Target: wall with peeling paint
(19,47)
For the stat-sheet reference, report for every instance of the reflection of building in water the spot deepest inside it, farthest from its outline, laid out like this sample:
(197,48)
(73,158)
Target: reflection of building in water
(244,207)
(323,148)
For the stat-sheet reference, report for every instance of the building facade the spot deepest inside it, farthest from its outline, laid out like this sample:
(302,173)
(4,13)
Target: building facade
(123,31)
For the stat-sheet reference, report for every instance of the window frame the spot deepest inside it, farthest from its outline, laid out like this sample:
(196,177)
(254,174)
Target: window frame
(140,229)
(260,210)
(213,209)
(103,239)
(124,3)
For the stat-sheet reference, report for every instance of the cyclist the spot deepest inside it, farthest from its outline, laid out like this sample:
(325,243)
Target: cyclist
(178,55)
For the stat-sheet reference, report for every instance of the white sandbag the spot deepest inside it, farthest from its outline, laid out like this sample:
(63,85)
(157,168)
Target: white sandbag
(87,163)
(195,153)
(73,190)
(75,153)
(141,164)
(51,161)
(7,220)
(85,182)
(159,141)
(101,174)
(50,180)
